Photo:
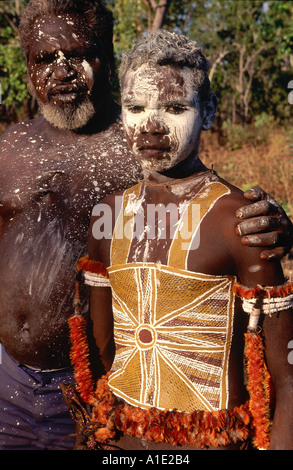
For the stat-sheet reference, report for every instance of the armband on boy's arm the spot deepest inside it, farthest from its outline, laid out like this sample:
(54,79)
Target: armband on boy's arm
(265,300)
(95,273)
(256,302)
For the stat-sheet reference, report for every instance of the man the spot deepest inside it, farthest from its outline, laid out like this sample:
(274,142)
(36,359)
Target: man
(54,169)
(176,369)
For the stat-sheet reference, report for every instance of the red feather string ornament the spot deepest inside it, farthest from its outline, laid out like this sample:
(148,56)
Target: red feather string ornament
(78,336)
(79,353)
(259,389)
(79,357)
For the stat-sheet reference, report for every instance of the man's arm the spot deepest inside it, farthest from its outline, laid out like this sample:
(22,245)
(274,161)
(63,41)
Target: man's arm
(266,225)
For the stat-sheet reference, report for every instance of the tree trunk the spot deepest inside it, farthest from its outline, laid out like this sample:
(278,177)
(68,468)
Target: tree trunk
(218,60)
(160,14)
(241,83)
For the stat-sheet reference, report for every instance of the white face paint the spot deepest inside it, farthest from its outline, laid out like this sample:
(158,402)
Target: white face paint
(88,70)
(161,115)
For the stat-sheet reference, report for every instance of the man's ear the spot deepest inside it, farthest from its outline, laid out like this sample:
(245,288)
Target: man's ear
(209,111)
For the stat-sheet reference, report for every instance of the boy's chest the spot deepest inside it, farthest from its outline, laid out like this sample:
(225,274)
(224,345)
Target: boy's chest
(183,234)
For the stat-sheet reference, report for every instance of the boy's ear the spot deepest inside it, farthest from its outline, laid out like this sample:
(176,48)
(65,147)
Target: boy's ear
(209,111)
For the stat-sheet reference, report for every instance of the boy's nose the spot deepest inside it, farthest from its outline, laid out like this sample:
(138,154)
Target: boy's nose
(153,125)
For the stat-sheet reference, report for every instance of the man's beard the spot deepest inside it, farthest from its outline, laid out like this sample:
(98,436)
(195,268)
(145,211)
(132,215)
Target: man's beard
(70,116)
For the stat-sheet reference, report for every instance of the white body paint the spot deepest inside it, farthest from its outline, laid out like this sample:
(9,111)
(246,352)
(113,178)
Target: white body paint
(148,97)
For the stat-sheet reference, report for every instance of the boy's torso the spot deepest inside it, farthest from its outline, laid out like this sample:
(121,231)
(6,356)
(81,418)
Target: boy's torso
(173,320)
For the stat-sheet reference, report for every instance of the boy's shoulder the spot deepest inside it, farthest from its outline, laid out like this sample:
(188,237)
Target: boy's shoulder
(114,199)
(235,197)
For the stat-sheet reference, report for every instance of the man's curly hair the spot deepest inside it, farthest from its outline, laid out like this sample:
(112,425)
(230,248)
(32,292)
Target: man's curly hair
(97,17)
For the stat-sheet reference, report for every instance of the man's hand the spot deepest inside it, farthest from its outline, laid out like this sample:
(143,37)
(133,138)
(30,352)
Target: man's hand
(266,225)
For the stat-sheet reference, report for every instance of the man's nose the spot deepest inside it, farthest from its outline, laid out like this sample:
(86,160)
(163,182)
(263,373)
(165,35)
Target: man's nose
(153,125)
(63,72)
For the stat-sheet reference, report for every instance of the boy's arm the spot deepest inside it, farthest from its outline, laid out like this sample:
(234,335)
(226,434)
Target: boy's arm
(277,330)
(102,318)
(101,303)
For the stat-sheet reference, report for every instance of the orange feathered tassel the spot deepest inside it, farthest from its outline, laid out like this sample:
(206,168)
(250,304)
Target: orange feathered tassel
(258,387)
(77,325)
(79,357)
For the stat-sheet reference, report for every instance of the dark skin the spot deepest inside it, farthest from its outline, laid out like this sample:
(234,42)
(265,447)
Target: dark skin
(50,179)
(219,253)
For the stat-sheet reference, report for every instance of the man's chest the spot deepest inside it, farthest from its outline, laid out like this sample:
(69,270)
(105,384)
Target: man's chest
(75,174)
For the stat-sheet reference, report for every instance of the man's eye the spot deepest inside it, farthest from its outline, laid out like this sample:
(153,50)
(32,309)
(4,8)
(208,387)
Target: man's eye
(45,59)
(135,109)
(176,109)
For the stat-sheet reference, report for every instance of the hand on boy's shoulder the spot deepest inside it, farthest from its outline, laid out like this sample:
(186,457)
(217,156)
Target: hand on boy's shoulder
(246,260)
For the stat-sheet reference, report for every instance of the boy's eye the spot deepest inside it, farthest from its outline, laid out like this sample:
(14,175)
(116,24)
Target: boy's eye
(135,109)
(176,109)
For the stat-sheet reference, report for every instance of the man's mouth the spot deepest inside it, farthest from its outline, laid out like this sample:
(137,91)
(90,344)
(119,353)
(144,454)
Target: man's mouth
(65,94)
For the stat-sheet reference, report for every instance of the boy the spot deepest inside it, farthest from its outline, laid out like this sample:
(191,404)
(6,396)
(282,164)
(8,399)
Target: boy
(176,274)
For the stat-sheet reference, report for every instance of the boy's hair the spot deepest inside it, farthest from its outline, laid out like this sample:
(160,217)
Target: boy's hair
(166,48)
(97,17)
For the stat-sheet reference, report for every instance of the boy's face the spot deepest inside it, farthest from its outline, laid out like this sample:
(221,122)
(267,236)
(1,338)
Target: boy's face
(161,115)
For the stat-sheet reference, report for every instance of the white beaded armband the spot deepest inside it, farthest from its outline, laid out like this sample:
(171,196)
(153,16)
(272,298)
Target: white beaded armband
(264,300)
(95,280)
(269,306)
(95,273)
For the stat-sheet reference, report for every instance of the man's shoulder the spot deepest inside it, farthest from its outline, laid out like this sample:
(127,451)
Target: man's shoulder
(113,128)
(21,129)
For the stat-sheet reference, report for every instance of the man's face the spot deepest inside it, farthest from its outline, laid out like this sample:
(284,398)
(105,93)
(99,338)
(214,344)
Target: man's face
(63,70)
(161,115)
